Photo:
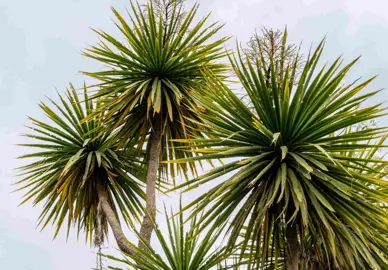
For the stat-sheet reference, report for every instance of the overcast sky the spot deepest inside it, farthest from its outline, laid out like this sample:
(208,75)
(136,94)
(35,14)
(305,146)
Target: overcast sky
(40,44)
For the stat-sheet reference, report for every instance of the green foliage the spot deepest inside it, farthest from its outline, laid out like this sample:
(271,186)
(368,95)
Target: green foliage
(72,159)
(153,73)
(182,249)
(288,168)
(313,257)
(292,152)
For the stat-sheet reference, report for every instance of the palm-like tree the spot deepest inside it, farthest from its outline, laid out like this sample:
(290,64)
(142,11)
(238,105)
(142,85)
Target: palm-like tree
(181,249)
(147,90)
(313,256)
(291,177)
(80,173)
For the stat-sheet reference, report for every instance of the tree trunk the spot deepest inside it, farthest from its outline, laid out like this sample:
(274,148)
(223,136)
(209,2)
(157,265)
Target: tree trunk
(152,174)
(113,221)
(292,258)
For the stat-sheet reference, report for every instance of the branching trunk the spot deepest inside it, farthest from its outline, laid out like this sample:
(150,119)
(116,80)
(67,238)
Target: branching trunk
(292,258)
(113,221)
(152,174)
(147,224)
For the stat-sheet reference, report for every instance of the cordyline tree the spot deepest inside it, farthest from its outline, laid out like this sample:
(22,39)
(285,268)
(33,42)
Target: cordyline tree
(293,179)
(146,91)
(83,177)
(145,98)
(308,190)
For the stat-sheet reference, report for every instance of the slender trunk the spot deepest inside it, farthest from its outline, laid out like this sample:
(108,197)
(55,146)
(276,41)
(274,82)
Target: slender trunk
(292,258)
(113,221)
(152,174)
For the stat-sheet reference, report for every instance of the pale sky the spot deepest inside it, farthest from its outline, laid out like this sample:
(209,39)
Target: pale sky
(40,44)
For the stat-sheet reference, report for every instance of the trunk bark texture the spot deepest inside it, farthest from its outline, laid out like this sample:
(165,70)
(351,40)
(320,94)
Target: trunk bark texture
(292,258)
(152,174)
(113,221)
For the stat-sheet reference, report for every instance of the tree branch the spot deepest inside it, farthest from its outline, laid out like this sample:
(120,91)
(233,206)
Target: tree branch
(152,173)
(122,241)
